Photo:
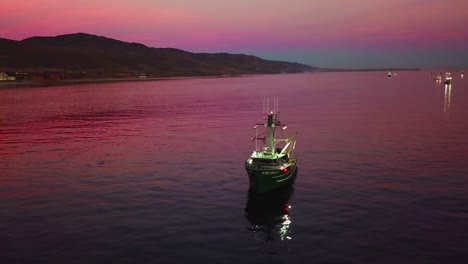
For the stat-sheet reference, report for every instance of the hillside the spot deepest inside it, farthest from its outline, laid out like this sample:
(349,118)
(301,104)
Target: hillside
(88,56)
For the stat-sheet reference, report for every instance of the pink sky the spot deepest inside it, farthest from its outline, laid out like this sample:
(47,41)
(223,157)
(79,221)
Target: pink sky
(255,27)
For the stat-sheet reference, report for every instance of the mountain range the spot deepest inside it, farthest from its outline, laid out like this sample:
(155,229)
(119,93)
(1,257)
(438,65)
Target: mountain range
(83,55)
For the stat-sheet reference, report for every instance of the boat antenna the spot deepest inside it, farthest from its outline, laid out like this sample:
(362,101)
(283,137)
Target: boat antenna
(268,105)
(277,108)
(274,109)
(277,113)
(263,110)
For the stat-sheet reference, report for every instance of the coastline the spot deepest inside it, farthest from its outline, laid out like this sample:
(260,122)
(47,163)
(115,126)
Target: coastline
(38,84)
(32,84)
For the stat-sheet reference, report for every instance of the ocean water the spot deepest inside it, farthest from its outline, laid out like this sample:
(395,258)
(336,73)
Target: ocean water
(152,171)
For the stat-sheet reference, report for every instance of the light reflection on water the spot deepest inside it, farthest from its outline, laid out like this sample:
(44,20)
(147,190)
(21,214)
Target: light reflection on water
(447,98)
(269,214)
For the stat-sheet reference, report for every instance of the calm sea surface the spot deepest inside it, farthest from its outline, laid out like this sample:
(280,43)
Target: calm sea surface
(152,172)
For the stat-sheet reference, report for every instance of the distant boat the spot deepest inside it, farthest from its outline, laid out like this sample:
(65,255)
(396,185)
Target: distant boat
(438,77)
(448,78)
(389,74)
(271,166)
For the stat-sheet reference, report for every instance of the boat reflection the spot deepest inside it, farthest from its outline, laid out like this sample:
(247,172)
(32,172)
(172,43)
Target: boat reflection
(269,213)
(447,98)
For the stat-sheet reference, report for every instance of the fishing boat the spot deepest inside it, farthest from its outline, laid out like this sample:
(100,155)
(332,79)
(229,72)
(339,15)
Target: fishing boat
(389,74)
(271,165)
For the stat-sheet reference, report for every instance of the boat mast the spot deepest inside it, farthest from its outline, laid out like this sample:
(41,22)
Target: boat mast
(271,123)
(270,147)
(270,136)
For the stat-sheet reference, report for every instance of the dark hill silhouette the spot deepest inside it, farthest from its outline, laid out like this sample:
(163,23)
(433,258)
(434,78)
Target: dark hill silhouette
(105,57)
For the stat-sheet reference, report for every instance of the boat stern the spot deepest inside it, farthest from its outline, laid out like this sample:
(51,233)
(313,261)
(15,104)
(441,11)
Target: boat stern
(263,179)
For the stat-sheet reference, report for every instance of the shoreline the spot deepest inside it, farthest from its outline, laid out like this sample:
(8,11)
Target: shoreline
(31,84)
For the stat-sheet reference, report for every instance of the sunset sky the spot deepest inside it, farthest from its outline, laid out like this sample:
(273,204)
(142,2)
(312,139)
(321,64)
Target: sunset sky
(322,33)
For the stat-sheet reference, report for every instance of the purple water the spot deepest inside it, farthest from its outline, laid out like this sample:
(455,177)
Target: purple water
(152,172)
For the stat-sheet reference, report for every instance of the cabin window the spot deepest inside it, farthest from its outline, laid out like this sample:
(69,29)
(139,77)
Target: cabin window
(265,161)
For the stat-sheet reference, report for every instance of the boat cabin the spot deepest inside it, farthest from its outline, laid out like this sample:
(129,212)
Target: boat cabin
(273,160)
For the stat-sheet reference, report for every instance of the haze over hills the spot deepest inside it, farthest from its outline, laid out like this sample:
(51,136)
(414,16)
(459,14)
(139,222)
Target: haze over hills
(89,56)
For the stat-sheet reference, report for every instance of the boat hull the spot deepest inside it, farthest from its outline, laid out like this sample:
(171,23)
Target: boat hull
(265,180)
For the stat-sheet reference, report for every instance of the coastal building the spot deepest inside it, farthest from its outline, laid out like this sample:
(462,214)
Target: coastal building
(5,77)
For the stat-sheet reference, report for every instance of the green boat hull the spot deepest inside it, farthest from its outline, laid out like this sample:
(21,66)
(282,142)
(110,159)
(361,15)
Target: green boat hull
(263,180)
